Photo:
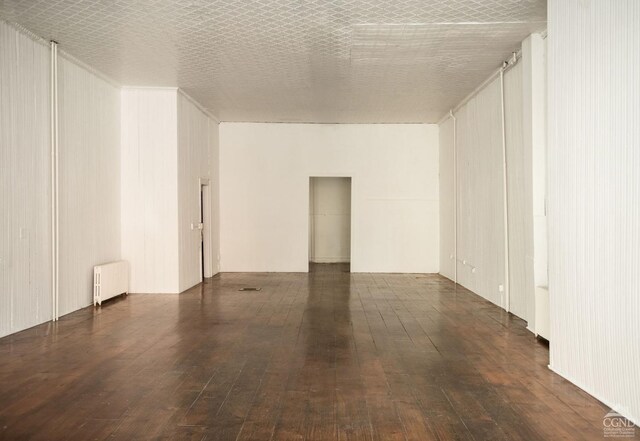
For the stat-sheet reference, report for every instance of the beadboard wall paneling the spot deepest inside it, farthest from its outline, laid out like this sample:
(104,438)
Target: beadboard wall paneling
(534,66)
(480,201)
(534,92)
(149,188)
(447,199)
(519,197)
(195,161)
(594,189)
(89,180)
(214,133)
(479,186)
(168,145)
(25,182)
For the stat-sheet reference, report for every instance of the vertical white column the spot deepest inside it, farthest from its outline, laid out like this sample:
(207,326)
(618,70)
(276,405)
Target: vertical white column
(455,201)
(505,197)
(534,139)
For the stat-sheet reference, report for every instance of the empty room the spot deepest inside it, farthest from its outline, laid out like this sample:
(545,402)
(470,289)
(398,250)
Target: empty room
(319,220)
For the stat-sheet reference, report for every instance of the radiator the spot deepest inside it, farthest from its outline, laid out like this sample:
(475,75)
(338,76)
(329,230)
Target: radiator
(110,280)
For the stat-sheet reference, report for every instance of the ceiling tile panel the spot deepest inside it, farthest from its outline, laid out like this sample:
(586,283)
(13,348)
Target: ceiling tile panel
(293,60)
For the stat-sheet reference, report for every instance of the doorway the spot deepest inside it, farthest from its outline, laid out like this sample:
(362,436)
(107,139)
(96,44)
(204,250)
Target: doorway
(329,220)
(206,258)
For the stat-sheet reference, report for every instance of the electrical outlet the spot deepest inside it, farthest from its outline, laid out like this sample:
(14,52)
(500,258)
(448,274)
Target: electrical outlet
(501,288)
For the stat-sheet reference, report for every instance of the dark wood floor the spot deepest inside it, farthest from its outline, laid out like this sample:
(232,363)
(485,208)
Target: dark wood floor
(323,356)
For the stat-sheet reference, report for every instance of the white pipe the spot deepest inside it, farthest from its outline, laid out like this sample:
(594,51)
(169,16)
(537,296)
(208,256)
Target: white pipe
(54,181)
(505,192)
(455,199)
(53,184)
(57,191)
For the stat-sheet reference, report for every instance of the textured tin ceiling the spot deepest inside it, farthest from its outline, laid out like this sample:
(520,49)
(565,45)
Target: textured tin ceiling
(295,60)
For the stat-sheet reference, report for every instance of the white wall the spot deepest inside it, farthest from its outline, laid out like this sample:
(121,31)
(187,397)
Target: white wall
(25,188)
(594,190)
(97,161)
(195,161)
(264,192)
(330,220)
(480,186)
(89,180)
(168,145)
(149,188)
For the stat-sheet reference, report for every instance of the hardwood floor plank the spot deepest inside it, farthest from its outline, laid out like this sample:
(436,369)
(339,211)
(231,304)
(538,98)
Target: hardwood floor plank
(326,355)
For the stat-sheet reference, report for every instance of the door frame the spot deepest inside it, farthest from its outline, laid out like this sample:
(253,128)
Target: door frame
(205,250)
(351,217)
